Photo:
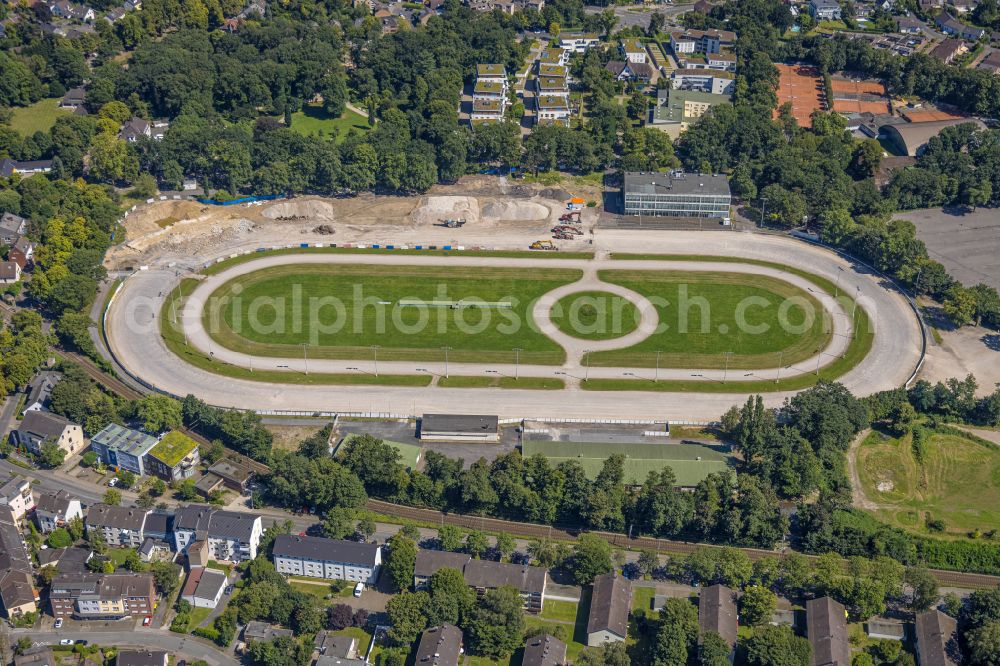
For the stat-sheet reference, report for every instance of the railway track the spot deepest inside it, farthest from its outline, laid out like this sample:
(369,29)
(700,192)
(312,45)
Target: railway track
(122,389)
(532,531)
(525,530)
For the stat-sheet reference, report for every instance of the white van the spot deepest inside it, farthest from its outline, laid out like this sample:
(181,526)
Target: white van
(358,589)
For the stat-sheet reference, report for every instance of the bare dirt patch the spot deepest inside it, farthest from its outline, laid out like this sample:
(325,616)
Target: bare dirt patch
(438,208)
(289,437)
(312,209)
(968,350)
(515,211)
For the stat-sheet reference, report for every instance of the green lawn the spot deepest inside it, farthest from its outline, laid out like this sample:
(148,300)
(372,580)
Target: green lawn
(705,315)
(642,600)
(39,117)
(556,609)
(496,381)
(363,639)
(595,315)
(958,482)
(690,462)
(343,309)
(117,555)
(198,616)
(314,121)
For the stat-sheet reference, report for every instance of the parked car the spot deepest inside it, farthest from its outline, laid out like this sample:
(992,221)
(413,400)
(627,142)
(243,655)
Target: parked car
(147,620)
(113,482)
(358,589)
(59,622)
(66,641)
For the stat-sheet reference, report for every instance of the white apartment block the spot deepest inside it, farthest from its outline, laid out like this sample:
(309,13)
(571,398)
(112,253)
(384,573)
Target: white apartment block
(331,559)
(578,43)
(15,494)
(632,50)
(231,536)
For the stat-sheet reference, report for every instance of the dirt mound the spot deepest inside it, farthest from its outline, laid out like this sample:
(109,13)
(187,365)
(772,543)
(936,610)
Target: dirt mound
(324,229)
(440,208)
(557,193)
(313,209)
(518,211)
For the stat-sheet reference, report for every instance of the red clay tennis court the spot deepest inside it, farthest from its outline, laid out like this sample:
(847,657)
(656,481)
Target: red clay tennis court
(927,115)
(865,87)
(803,87)
(859,106)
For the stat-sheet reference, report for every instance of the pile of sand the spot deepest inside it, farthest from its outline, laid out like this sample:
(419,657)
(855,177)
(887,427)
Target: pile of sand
(444,208)
(517,211)
(313,209)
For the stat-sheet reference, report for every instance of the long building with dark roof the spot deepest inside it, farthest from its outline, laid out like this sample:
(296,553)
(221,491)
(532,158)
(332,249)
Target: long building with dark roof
(610,601)
(333,559)
(826,628)
(717,612)
(937,643)
(484,575)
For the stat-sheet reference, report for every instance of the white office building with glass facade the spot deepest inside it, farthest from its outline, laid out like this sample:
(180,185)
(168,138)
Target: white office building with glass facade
(676,194)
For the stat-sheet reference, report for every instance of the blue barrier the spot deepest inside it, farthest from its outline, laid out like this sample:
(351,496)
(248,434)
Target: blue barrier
(390,247)
(232,202)
(303,245)
(446,247)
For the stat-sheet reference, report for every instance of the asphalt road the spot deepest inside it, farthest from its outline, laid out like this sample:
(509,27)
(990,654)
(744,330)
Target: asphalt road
(184,646)
(894,355)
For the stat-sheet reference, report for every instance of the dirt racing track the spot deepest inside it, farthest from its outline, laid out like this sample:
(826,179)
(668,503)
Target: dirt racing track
(133,335)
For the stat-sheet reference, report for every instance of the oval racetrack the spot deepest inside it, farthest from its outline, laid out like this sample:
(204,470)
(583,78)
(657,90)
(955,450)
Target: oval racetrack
(134,338)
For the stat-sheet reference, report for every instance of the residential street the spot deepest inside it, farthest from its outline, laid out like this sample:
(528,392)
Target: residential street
(182,646)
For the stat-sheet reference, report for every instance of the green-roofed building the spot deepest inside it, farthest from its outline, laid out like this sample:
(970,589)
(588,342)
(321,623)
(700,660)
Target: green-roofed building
(690,462)
(489,95)
(174,457)
(632,50)
(676,109)
(553,71)
(491,71)
(551,56)
(546,86)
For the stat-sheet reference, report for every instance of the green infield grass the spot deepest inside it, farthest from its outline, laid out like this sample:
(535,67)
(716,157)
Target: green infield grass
(957,482)
(174,339)
(496,381)
(595,315)
(345,309)
(699,314)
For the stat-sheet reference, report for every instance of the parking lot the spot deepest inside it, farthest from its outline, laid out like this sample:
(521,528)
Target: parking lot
(966,242)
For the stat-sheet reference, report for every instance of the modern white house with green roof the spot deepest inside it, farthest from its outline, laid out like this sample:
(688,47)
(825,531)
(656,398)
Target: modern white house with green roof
(124,448)
(489,95)
(174,458)
(632,50)
(552,109)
